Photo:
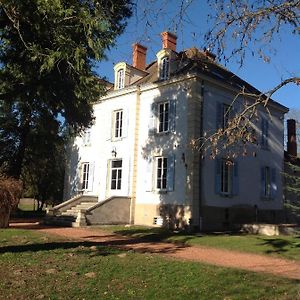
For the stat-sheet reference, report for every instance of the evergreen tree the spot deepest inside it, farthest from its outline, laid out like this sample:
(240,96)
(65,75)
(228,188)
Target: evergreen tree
(48,49)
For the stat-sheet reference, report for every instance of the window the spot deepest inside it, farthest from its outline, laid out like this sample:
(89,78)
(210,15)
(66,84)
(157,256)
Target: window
(226,176)
(163,117)
(266,182)
(120,79)
(161,174)
(116,174)
(264,133)
(164,68)
(118,124)
(85,175)
(226,115)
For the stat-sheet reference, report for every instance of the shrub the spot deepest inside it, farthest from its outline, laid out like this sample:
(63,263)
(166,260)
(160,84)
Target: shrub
(10,193)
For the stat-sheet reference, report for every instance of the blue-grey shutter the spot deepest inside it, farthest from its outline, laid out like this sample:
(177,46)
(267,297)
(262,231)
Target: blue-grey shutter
(172,115)
(171,173)
(148,177)
(218,166)
(263,132)
(91,176)
(219,115)
(263,181)
(152,119)
(273,183)
(235,179)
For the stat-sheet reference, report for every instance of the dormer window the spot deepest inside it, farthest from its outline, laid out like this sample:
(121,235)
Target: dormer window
(120,79)
(164,68)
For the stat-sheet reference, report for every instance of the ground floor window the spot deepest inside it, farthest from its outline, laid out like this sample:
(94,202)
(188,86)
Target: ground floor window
(116,174)
(161,173)
(85,175)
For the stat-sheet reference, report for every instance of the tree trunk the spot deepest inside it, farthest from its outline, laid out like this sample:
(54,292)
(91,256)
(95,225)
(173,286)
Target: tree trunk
(4,217)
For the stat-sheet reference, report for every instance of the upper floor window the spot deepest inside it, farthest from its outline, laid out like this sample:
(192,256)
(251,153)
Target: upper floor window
(264,133)
(164,68)
(118,124)
(163,117)
(116,174)
(85,175)
(120,79)
(226,115)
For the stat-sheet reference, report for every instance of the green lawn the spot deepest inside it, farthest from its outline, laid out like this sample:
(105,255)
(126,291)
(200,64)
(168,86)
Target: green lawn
(279,246)
(39,266)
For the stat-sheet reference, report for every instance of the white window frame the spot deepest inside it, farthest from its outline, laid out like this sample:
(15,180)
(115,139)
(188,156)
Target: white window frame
(116,175)
(163,117)
(120,79)
(164,68)
(118,124)
(85,175)
(161,173)
(226,176)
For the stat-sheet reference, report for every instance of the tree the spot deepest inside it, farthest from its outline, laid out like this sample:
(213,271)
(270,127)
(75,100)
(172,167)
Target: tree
(44,163)
(48,50)
(10,192)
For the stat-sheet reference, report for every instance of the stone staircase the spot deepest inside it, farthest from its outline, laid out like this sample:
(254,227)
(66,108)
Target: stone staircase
(71,213)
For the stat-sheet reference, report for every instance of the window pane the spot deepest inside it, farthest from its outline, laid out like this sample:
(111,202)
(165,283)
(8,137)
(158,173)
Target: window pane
(113,184)
(116,163)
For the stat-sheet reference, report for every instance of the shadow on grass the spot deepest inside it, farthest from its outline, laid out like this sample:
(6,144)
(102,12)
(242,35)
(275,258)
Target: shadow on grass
(121,244)
(279,245)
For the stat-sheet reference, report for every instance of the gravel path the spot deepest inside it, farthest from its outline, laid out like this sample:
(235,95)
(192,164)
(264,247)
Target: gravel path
(225,258)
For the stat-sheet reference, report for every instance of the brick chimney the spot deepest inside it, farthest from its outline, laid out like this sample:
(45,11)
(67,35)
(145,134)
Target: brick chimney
(291,142)
(139,56)
(169,40)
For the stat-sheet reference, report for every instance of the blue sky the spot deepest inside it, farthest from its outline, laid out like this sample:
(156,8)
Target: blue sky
(190,32)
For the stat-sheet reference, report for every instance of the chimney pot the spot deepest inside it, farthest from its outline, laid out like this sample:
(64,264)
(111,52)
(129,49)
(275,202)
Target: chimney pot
(292,142)
(169,40)
(139,56)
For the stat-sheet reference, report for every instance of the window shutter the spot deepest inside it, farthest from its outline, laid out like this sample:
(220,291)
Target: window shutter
(125,122)
(266,132)
(235,179)
(109,126)
(172,115)
(218,166)
(263,181)
(219,115)
(171,173)
(91,176)
(149,176)
(152,120)
(79,177)
(273,183)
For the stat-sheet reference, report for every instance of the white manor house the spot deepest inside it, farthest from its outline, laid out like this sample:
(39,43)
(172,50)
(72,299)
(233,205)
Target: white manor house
(135,165)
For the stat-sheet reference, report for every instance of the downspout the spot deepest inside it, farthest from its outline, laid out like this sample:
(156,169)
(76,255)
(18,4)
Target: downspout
(135,155)
(200,153)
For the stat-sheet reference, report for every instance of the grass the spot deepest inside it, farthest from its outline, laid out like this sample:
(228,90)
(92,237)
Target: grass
(39,266)
(279,246)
